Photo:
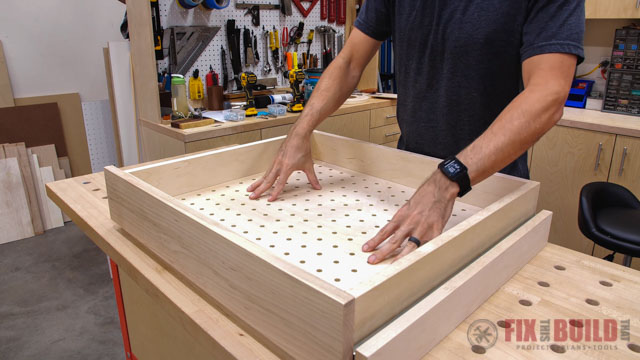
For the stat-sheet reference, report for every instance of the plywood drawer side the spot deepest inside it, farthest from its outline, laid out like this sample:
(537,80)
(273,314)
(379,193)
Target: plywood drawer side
(383,116)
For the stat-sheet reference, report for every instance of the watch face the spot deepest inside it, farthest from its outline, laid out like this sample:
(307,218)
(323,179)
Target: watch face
(452,168)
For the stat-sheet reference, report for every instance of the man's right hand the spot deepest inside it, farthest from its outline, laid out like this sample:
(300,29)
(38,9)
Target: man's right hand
(294,154)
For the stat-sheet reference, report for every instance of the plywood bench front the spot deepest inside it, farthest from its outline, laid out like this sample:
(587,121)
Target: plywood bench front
(291,272)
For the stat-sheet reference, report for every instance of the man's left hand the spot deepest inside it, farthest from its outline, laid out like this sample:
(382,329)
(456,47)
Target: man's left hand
(423,217)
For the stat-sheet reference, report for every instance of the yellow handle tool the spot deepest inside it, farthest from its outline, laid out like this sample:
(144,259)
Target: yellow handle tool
(295,60)
(272,44)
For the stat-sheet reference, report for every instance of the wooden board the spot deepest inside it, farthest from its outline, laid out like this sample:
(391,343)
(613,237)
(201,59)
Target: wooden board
(321,329)
(506,203)
(240,138)
(47,156)
(143,61)
(65,165)
(119,60)
(321,232)
(40,191)
(268,133)
(112,104)
(6,93)
(440,312)
(15,220)
(157,146)
(355,126)
(34,125)
(85,199)
(75,135)
(19,152)
(46,174)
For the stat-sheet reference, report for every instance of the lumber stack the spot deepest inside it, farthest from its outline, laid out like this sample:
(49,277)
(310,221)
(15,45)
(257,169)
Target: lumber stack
(25,209)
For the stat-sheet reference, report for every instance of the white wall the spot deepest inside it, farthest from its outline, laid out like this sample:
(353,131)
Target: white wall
(55,46)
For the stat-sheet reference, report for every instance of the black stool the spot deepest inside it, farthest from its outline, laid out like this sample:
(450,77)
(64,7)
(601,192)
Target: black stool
(609,215)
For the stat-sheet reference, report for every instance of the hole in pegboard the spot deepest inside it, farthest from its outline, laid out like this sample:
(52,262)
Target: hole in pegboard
(559,349)
(478,349)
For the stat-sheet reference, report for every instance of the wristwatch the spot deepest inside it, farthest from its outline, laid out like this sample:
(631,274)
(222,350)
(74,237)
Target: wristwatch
(455,171)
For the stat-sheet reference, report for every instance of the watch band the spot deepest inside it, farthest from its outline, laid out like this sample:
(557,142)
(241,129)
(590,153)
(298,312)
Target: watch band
(460,175)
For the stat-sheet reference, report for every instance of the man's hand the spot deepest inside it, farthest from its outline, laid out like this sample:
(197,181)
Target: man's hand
(423,217)
(294,154)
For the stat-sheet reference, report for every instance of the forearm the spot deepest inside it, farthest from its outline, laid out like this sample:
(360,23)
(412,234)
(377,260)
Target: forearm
(529,116)
(517,128)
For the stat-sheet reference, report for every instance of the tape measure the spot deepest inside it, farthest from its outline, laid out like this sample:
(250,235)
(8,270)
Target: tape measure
(188,4)
(215,4)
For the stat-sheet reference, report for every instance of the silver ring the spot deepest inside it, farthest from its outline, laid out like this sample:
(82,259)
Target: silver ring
(415,240)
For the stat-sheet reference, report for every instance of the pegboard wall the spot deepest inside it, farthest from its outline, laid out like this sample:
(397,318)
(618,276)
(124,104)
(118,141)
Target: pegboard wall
(100,138)
(171,14)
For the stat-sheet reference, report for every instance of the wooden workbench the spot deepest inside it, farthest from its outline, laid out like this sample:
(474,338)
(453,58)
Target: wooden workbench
(163,319)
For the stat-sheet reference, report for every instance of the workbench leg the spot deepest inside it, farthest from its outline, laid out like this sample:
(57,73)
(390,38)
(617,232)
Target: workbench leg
(121,314)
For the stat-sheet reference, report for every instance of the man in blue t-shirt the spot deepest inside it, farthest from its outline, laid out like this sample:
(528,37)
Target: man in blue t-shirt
(479,82)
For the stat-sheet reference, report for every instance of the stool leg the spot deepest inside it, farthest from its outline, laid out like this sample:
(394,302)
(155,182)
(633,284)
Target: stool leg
(627,261)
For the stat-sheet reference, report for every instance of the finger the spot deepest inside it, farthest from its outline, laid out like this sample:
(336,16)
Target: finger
(313,179)
(256,184)
(280,184)
(381,236)
(266,184)
(392,243)
(407,248)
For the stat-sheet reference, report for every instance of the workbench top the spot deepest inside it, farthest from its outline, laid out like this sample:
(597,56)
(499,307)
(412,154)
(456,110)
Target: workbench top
(557,284)
(601,121)
(254,123)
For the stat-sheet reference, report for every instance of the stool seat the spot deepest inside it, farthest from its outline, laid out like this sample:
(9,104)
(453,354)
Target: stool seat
(609,215)
(620,223)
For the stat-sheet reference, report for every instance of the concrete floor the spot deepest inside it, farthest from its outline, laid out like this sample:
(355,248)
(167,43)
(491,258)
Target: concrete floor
(56,299)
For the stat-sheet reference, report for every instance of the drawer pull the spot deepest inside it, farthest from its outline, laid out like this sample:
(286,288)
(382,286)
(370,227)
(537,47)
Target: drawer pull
(392,134)
(598,157)
(624,156)
(394,115)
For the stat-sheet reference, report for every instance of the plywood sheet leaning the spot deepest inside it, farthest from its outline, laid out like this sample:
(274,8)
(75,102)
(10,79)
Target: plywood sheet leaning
(15,220)
(46,174)
(6,93)
(123,99)
(19,152)
(34,125)
(75,135)
(47,156)
(414,333)
(112,104)
(65,165)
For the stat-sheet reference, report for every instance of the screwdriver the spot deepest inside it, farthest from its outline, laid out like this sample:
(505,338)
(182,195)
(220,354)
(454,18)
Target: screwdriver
(309,41)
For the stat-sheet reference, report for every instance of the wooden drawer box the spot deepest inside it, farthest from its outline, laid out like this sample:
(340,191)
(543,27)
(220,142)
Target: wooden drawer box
(291,272)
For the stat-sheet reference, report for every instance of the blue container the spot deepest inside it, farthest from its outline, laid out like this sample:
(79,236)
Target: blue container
(580,90)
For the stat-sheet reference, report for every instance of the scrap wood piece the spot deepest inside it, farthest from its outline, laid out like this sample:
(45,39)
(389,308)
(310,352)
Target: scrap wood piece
(15,220)
(55,212)
(19,152)
(191,123)
(42,197)
(34,125)
(6,93)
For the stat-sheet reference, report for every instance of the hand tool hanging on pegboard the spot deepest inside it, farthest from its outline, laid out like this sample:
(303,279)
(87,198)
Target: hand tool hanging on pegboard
(254,11)
(342,12)
(266,68)
(225,74)
(256,53)
(158,32)
(303,11)
(285,7)
(324,9)
(332,11)
(215,4)
(248,48)
(233,38)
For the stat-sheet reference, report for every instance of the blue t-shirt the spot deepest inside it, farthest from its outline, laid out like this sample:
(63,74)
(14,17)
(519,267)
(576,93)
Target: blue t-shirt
(458,63)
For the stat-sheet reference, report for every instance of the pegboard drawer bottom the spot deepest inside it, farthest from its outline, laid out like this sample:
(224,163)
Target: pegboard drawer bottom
(294,267)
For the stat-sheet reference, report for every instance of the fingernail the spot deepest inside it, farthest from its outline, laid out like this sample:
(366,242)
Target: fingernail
(372,259)
(365,247)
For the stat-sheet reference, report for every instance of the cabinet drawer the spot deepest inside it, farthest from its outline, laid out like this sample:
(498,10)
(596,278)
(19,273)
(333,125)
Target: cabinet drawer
(235,139)
(383,116)
(384,134)
(355,125)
